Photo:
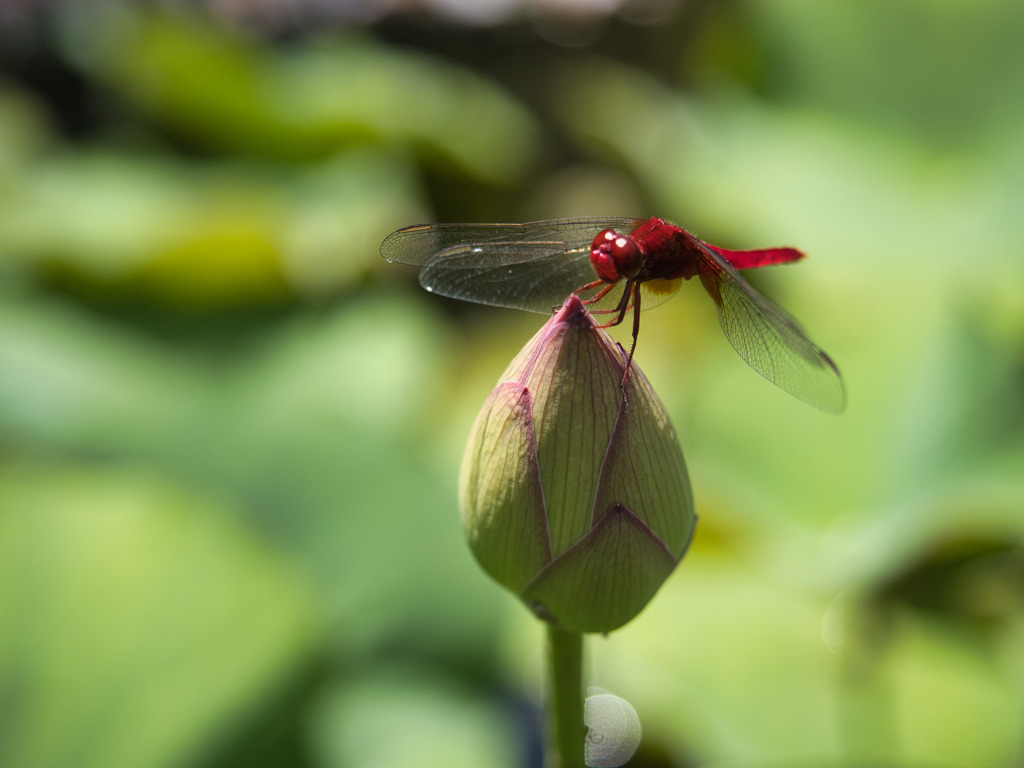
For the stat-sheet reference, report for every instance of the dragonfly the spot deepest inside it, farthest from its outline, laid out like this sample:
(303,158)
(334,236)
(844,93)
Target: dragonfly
(616,265)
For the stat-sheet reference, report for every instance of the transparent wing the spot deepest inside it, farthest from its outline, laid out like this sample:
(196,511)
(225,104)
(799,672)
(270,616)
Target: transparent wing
(532,266)
(771,342)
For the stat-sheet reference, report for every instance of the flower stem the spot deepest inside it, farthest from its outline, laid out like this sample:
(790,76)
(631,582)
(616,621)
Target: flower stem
(566,731)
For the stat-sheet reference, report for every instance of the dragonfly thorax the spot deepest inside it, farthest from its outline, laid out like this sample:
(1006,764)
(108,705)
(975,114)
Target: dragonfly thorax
(614,256)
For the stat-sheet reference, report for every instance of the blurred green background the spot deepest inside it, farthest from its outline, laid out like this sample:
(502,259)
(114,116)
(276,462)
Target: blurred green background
(230,433)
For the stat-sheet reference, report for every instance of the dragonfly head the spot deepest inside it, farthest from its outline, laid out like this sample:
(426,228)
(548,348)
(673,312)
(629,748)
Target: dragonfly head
(615,256)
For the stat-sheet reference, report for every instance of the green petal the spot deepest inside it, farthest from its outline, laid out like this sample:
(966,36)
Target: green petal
(644,468)
(606,578)
(576,380)
(500,493)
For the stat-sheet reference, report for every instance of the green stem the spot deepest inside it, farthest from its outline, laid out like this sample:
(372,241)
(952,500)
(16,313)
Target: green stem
(566,731)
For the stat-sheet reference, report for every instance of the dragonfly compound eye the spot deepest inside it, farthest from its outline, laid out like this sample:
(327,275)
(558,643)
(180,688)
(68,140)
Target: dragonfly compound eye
(615,256)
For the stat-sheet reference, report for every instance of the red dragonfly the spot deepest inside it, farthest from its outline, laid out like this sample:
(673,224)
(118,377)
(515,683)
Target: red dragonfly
(536,265)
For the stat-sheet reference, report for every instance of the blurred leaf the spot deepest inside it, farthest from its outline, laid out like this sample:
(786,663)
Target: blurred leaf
(942,72)
(403,719)
(71,383)
(338,213)
(970,714)
(25,135)
(726,665)
(314,433)
(971,582)
(231,93)
(137,622)
(148,230)
(358,493)
(351,88)
(965,410)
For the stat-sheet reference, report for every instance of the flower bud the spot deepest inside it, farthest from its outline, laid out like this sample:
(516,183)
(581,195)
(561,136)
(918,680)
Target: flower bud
(573,489)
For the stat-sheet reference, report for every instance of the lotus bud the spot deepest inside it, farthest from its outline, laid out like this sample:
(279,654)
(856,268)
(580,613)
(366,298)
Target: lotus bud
(573,490)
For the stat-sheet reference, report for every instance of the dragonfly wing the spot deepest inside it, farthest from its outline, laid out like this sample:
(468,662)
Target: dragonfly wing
(532,266)
(657,291)
(531,276)
(769,340)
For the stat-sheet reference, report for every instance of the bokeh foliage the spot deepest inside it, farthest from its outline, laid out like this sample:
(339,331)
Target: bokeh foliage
(230,433)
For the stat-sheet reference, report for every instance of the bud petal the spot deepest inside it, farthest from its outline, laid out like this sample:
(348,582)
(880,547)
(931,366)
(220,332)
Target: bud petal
(574,494)
(604,579)
(500,474)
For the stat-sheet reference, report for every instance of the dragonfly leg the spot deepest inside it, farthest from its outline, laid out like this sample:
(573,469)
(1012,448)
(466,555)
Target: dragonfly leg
(635,290)
(623,306)
(597,296)
(630,298)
